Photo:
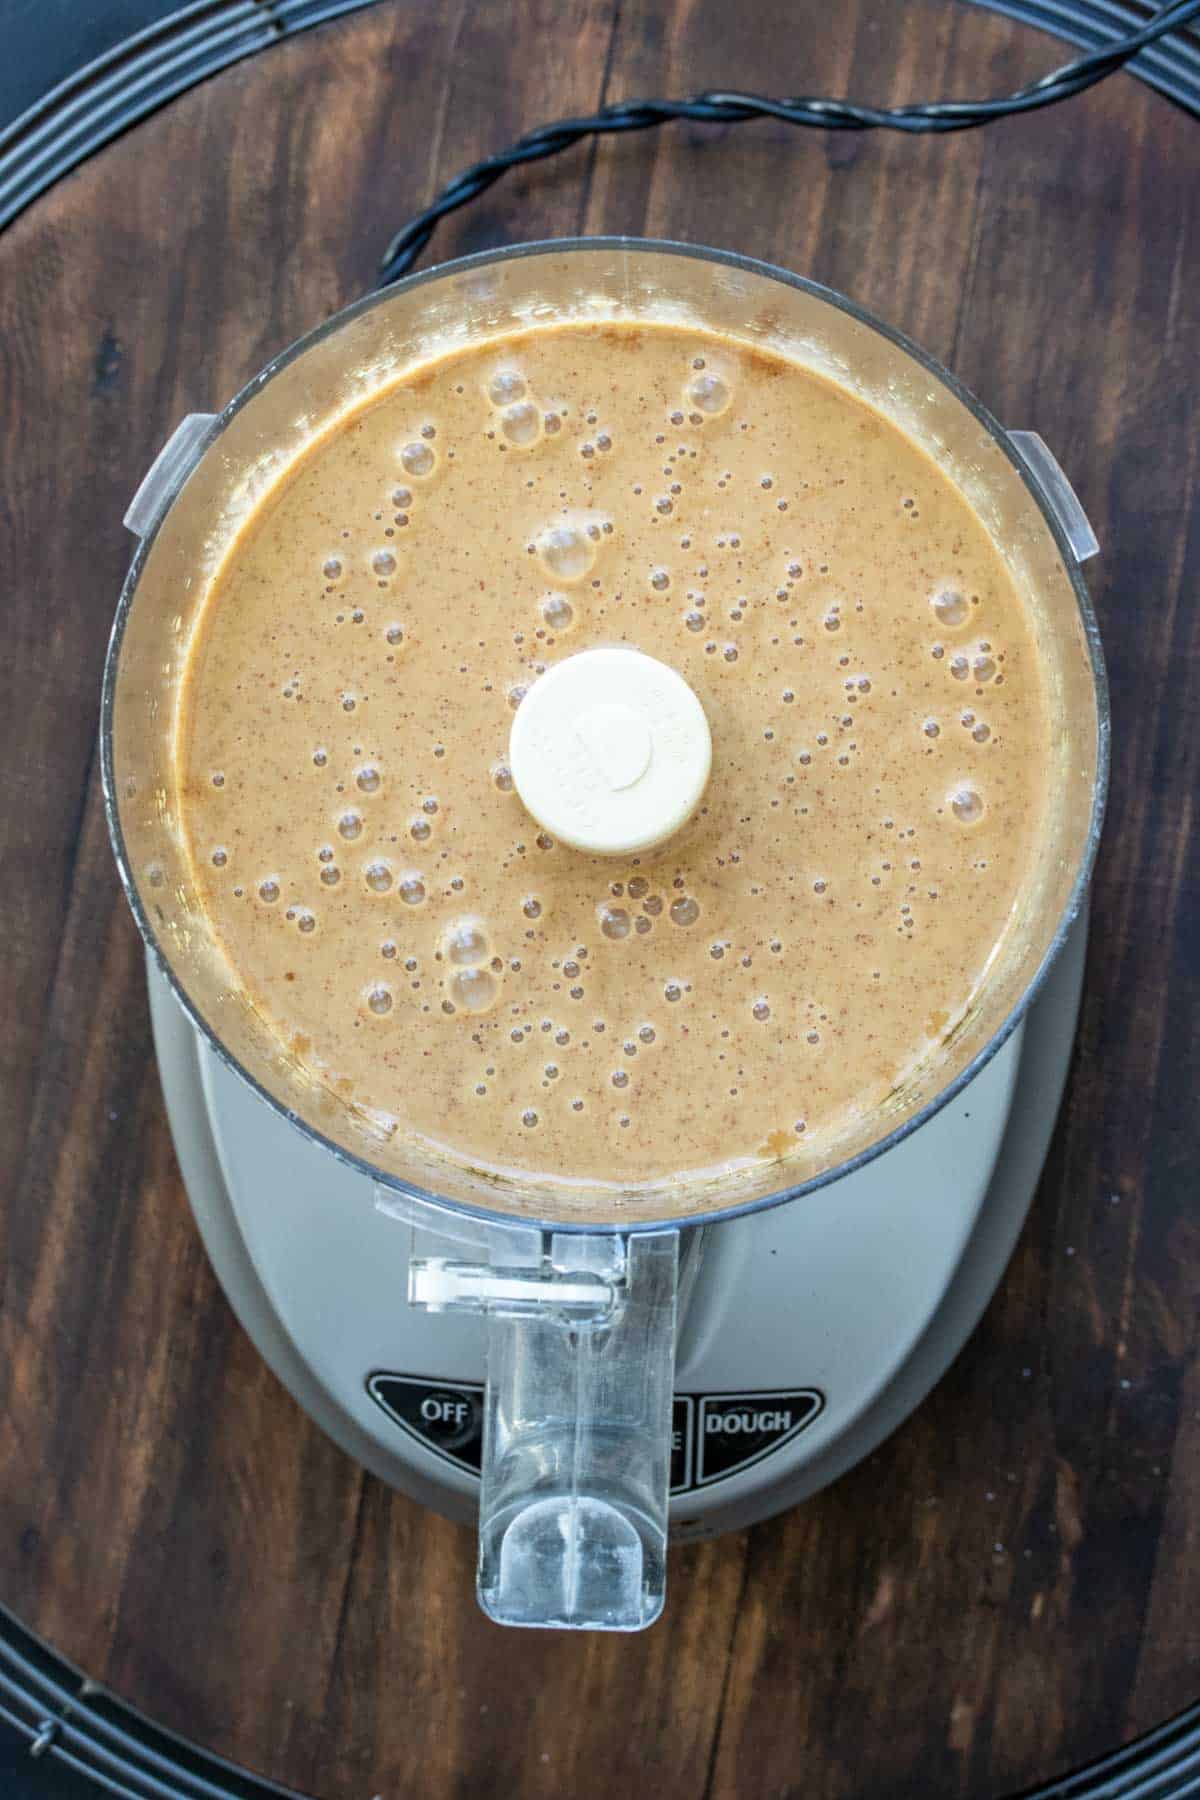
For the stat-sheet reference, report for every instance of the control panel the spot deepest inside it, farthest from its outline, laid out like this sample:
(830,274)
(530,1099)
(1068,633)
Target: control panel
(713,1436)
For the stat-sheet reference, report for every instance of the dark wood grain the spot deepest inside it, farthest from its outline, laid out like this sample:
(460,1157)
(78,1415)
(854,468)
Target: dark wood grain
(1012,1584)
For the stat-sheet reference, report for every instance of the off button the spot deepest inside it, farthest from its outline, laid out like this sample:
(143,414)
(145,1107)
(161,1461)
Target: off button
(446,1419)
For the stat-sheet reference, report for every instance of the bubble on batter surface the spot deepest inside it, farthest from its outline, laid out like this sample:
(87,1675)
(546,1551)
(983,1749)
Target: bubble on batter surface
(418,459)
(557,612)
(614,922)
(707,393)
(465,941)
(475,990)
(521,424)
(567,552)
(950,607)
(967,805)
(506,386)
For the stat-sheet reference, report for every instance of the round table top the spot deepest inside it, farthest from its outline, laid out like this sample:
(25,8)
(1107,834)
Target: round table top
(1009,1586)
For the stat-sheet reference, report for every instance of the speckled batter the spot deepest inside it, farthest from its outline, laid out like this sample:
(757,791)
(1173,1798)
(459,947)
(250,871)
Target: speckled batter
(877,714)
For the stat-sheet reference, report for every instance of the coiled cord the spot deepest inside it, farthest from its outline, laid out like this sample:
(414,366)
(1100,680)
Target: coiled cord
(729,107)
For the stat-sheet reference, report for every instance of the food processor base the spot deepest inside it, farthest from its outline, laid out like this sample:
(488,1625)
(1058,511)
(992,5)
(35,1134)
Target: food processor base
(813,1328)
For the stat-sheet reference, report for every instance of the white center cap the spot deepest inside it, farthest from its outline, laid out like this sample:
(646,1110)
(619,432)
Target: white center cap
(610,751)
(619,741)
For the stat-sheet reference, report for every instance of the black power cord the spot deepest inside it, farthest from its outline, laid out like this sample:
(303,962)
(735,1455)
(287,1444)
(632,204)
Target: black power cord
(728,107)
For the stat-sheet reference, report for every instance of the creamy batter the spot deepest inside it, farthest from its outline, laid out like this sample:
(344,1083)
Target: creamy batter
(878,720)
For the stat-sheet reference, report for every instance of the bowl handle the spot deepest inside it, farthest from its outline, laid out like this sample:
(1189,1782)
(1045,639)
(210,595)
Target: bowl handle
(577,1423)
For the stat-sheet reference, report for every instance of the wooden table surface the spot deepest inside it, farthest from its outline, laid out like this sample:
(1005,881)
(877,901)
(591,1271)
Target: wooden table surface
(1011,1585)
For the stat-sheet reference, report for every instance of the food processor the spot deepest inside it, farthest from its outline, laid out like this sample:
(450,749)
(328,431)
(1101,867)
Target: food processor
(592,1372)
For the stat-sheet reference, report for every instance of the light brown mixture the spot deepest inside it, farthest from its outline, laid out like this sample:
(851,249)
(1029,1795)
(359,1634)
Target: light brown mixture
(877,715)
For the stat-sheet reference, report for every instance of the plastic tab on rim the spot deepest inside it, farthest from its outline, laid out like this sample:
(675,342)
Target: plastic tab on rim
(1044,466)
(166,474)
